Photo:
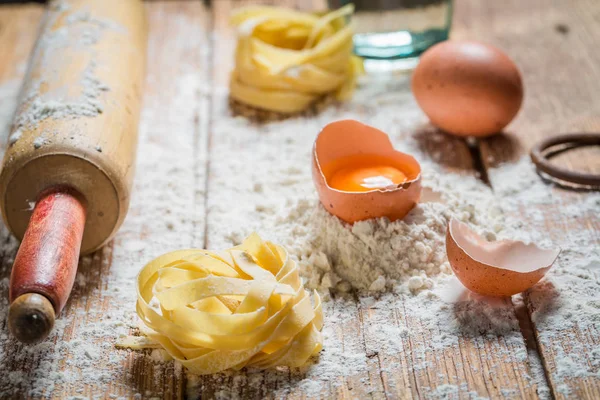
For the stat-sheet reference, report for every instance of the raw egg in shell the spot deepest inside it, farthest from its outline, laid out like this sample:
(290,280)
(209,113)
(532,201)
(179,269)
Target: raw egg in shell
(359,175)
(501,268)
(468,88)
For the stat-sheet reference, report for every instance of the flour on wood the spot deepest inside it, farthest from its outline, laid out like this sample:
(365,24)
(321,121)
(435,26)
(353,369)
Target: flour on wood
(391,266)
(374,255)
(102,306)
(8,99)
(262,182)
(81,32)
(566,302)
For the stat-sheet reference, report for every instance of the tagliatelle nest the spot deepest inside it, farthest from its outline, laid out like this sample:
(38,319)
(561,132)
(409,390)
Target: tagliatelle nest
(286,60)
(242,307)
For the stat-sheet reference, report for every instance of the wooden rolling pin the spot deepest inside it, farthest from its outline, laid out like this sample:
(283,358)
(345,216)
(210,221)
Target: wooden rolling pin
(68,168)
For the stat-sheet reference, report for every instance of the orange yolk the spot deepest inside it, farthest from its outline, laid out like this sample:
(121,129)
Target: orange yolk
(364,178)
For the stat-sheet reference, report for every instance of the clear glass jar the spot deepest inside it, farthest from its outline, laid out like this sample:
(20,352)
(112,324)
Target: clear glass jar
(398,29)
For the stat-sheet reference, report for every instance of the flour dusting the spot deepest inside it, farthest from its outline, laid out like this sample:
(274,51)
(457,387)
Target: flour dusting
(398,270)
(81,32)
(102,305)
(392,300)
(375,255)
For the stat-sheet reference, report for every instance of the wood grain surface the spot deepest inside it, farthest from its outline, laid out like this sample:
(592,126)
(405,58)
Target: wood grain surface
(389,375)
(553,43)
(170,140)
(182,137)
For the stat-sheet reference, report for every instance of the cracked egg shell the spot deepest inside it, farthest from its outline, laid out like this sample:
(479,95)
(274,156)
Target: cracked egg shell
(342,140)
(501,268)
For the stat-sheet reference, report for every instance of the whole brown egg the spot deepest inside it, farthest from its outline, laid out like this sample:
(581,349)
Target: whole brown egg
(468,88)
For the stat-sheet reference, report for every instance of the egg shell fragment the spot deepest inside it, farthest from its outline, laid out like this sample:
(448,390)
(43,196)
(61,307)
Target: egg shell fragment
(468,88)
(501,268)
(346,138)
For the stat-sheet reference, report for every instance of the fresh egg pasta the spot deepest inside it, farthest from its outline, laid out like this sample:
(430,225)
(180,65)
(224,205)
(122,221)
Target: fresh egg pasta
(287,59)
(213,311)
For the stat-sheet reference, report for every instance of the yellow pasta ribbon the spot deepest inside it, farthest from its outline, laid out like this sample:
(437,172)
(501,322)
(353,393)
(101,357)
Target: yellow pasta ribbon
(245,306)
(285,59)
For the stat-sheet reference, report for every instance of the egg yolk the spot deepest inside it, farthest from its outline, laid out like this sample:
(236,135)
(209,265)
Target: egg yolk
(364,178)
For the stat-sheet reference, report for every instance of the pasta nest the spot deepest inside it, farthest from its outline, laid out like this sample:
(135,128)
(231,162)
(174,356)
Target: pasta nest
(286,59)
(245,306)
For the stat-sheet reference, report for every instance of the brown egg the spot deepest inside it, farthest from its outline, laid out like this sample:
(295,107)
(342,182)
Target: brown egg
(501,268)
(468,88)
(358,174)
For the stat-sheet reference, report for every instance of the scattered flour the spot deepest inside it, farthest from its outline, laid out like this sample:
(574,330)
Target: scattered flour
(39,142)
(89,356)
(82,32)
(16,135)
(372,255)
(398,271)
(8,99)
(402,264)
(394,301)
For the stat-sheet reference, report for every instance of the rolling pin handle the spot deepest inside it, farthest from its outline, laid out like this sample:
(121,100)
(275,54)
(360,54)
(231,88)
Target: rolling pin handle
(31,318)
(46,264)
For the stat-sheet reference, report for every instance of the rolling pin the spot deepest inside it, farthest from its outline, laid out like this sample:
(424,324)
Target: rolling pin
(68,167)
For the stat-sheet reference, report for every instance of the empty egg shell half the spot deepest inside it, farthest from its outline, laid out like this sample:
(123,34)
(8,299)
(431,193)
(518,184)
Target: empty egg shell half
(501,268)
(347,138)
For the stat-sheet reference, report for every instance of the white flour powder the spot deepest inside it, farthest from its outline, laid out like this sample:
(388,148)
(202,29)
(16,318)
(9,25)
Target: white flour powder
(269,189)
(370,255)
(79,32)
(408,313)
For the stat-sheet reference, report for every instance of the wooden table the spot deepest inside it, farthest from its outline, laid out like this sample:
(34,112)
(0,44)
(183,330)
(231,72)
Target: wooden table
(556,45)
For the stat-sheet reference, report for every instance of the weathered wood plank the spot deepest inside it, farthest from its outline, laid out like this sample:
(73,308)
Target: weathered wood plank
(167,210)
(18,32)
(555,45)
(414,365)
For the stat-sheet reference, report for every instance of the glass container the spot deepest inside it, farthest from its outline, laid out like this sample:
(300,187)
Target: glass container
(397,29)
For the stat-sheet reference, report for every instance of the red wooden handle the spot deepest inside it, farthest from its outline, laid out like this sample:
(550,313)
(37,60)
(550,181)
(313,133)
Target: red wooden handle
(46,262)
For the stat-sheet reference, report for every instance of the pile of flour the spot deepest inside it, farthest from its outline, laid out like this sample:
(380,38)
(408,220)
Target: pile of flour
(392,266)
(376,255)
(370,256)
